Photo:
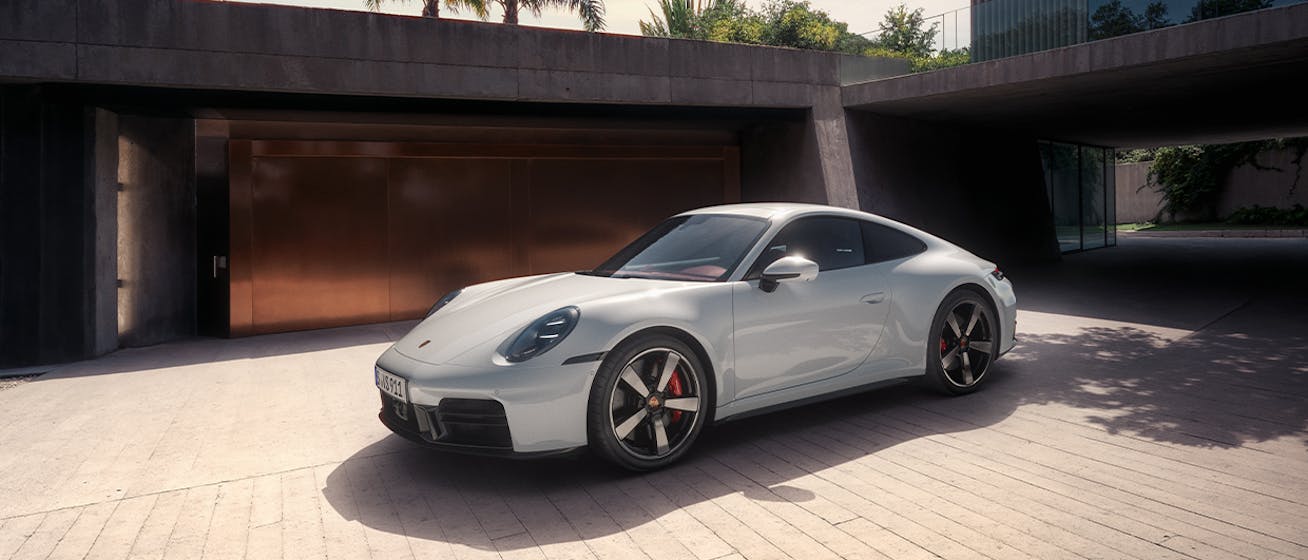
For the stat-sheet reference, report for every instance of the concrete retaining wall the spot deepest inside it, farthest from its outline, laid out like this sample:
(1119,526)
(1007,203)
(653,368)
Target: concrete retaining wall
(251,47)
(1281,183)
(1136,200)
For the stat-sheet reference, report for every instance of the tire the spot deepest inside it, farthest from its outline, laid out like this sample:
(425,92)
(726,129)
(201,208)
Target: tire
(624,421)
(960,353)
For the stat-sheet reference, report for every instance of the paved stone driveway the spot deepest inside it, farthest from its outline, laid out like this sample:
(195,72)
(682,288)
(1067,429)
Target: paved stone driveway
(1156,408)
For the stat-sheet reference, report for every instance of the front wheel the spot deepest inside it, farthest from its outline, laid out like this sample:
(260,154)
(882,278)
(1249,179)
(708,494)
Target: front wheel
(647,403)
(963,344)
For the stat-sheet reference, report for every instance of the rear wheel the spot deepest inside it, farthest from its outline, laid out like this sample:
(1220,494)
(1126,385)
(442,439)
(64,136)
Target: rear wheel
(964,343)
(647,403)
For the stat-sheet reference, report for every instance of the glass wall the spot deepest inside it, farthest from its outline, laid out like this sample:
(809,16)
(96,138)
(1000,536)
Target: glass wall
(1002,28)
(1081,189)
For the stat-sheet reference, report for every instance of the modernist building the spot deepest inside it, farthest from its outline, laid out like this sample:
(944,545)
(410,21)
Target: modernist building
(171,168)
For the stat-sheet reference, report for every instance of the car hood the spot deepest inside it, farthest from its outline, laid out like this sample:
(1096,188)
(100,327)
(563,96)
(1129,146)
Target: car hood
(485,315)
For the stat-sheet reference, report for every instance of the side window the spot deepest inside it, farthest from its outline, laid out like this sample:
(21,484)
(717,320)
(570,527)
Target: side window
(883,243)
(832,243)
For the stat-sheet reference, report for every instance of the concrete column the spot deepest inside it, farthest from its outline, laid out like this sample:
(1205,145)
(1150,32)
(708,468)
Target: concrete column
(156,229)
(805,159)
(827,120)
(104,154)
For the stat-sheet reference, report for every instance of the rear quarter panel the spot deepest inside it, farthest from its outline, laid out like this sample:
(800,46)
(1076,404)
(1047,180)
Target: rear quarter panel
(918,285)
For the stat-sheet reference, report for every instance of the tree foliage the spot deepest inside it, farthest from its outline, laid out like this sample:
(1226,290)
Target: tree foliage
(706,20)
(1191,178)
(1208,9)
(796,24)
(1115,18)
(906,32)
(780,23)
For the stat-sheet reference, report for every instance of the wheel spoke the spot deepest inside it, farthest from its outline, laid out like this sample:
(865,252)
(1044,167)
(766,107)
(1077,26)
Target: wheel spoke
(967,370)
(669,365)
(980,346)
(947,360)
(660,436)
(623,430)
(633,379)
(953,324)
(971,323)
(686,404)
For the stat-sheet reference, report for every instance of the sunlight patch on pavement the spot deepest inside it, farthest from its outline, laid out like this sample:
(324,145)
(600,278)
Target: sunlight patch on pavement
(1035,323)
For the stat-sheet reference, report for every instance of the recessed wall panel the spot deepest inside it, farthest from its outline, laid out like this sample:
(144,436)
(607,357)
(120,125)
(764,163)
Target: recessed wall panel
(584,210)
(318,249)
(450,226)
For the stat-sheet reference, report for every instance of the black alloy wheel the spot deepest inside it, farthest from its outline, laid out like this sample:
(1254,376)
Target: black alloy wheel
(647,403)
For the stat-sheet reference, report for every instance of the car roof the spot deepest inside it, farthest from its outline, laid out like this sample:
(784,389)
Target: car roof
(783,211)
(774,210)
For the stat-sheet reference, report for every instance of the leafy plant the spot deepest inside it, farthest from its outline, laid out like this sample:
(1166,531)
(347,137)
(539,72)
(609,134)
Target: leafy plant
(1191,178)
(906,32)
(1263,216)
(944,59)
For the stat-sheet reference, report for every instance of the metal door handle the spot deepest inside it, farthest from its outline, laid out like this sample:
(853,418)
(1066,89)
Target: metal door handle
(874,297)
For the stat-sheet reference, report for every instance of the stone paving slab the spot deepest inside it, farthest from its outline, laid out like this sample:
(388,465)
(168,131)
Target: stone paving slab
(1104,435)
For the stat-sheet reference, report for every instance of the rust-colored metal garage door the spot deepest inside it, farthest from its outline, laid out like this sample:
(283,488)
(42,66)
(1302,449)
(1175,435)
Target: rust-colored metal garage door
(327,233)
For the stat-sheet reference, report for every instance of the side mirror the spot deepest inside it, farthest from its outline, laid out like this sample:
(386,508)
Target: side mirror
(787,268)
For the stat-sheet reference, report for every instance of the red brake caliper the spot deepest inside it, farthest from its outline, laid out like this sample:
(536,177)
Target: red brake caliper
(675,389)
(943,346)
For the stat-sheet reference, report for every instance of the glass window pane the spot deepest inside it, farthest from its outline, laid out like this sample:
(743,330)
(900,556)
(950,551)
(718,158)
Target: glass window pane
(882,243)
(1062,171)
(1110,189)
(832,243)
(1093,217)
(704,247)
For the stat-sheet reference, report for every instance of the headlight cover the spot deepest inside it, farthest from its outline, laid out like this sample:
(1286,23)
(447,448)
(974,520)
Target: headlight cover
(444,300)
(542,334)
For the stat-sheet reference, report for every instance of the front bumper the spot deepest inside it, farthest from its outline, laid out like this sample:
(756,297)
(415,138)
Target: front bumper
(470,434)
(492,410)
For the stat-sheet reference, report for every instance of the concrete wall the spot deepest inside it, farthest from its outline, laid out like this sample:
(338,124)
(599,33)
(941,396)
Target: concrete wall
(980,189)
(1137,199)
(1281,183)
(249,47)
(156,229)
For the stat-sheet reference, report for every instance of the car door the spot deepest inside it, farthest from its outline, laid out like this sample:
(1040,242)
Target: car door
(808,331)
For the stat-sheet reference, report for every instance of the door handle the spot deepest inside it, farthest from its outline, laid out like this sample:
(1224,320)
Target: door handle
(874,297)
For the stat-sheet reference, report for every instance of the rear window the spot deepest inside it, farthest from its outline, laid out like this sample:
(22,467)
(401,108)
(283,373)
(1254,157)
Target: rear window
(884,243)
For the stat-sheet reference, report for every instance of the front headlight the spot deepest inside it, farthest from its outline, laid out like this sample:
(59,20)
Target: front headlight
(444,300)
(542,334)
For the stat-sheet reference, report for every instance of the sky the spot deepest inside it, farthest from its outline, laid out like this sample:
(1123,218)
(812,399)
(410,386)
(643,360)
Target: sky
(623,16)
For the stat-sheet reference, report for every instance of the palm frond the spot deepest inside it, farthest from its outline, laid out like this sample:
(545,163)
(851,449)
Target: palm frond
(591,13)
(480,8)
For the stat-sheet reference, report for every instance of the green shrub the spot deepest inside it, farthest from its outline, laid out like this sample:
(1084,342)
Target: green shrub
(1268,216)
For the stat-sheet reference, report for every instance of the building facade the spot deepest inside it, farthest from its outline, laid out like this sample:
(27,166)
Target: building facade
(169,169)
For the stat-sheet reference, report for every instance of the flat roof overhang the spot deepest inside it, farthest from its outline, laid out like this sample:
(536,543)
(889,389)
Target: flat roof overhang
(1234,78)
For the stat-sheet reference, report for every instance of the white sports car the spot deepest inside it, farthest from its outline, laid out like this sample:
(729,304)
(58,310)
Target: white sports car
(714,314)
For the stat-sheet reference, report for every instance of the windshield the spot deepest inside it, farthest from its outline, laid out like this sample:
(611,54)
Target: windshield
(702,247)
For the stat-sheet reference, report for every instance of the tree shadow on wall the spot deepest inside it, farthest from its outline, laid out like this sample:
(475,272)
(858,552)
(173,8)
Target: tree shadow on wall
(1223,387)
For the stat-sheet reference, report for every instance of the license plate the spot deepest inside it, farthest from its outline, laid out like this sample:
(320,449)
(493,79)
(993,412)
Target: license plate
(392,384)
